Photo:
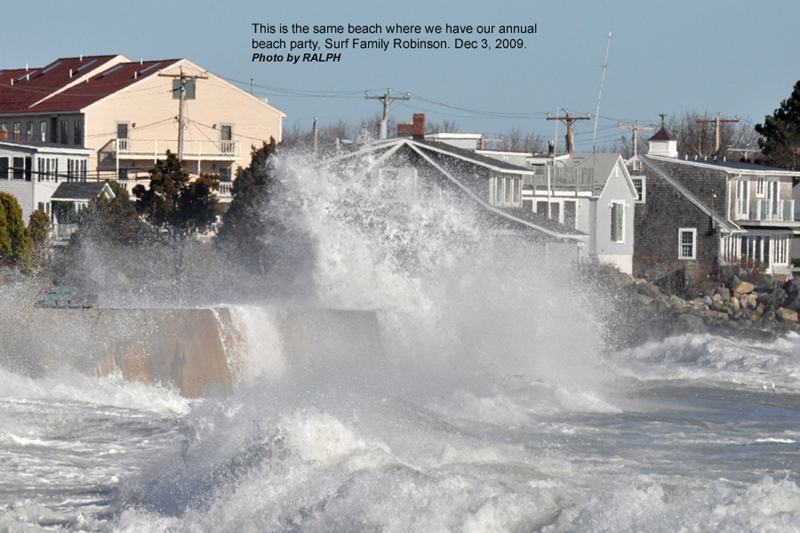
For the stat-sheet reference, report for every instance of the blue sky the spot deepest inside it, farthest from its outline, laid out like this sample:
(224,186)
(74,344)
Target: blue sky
(736,57)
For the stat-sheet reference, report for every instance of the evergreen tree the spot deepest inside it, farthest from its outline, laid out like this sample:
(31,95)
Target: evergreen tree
(780,141)
(176,205)
(112,220)
(244,228)
(18,249)
(39,231)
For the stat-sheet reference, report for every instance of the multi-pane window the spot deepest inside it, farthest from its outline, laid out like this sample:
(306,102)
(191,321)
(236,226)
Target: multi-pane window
(638,183)
(29,131)
(43,131)
(225,133)
(617,222)
(77,134)
(225,173)
(17,134)
(64,131)
(760,187)
(507,191)
(687,243)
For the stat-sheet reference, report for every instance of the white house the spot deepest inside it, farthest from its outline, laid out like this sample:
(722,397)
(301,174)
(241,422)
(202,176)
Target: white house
(32,172)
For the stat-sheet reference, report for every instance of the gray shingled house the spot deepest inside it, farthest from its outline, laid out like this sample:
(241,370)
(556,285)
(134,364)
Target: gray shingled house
(711,211)
(415,170)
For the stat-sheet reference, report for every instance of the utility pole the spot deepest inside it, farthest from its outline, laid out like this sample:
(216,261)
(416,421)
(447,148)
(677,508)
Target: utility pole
(184,79)
(316,135)
(484,140)
(636,127)
(386,99)
(569,120)
(717,121)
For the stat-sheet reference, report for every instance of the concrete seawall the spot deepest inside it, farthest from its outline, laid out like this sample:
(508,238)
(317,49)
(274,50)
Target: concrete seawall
(195,351)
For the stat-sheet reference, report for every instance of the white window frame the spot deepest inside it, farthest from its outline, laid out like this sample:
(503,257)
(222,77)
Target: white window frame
(643,197)
(622,225)
(760,186)
(506,190)
(743,199)
(681,255)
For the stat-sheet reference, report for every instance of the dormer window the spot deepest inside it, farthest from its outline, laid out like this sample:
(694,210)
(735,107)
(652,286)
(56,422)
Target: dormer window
(506,190)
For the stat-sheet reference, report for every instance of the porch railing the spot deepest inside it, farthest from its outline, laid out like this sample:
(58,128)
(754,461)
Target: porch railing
(153,148)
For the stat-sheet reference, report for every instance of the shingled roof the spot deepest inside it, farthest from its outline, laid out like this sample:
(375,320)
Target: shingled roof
(78,191)
(64,86)
(458,166)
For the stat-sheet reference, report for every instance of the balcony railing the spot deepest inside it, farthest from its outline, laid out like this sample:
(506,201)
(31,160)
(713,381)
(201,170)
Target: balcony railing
(562,178)
(225,192)
(768,211)
(153,148)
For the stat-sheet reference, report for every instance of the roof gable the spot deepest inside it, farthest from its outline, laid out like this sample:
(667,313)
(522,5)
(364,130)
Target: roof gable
(450,162)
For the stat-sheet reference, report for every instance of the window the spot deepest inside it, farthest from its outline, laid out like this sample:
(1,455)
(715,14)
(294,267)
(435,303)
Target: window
(760,188)
(123,174)
(43,131)
(687,243)
(17,133)
(638,183)
(53,130)
(4,126)
(743,199)
(77,132)
(225,173)
(122,136)
(225,133)
(506,191)
(19,168)
(3,168)
(617,222)
(570,213)
(64,131)
(189,85)
(29,131)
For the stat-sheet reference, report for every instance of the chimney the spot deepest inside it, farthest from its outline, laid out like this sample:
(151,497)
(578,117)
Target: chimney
(419,126)
(551,147)
(405,129)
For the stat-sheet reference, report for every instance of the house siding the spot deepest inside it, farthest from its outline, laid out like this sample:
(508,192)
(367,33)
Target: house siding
(616,190)
(658,220)
(150,103)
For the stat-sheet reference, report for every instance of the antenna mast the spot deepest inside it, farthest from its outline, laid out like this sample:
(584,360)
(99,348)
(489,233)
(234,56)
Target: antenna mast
(602,79)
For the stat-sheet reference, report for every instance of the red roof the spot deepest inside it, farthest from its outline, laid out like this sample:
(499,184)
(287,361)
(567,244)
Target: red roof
(662,135)
(101,85)
(21,88)
(33,86)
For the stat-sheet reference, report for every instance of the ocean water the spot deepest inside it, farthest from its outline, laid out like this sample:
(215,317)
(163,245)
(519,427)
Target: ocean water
(495,405)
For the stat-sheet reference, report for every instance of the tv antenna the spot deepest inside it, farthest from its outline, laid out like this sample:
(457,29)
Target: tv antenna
(602,79)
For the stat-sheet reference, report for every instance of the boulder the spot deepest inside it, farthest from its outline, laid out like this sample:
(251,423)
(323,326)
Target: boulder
(744,287)
(765,284)
(734,303)
(733,282)
(787,314)
(772,299)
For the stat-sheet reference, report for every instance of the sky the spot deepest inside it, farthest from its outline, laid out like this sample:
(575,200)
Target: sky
(733,57)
